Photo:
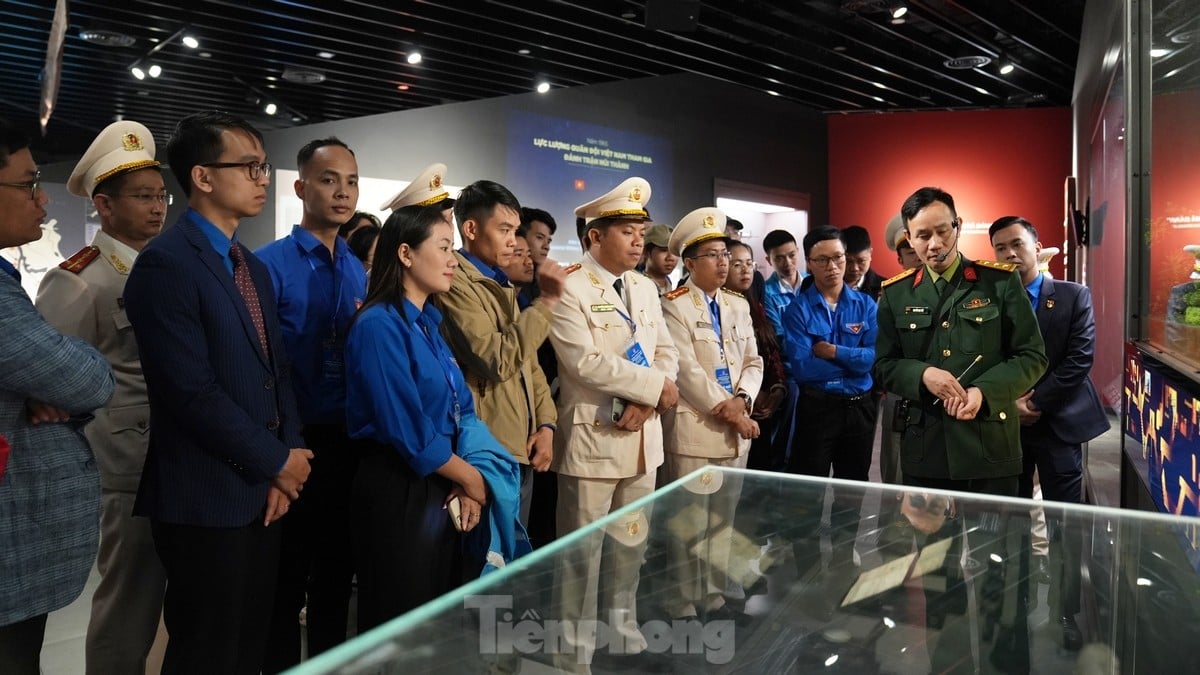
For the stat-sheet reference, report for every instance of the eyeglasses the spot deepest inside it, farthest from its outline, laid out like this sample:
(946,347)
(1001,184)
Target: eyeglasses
(144,198)
(714,255)
(256,169)
(32,185)
(741,264)
(826,261)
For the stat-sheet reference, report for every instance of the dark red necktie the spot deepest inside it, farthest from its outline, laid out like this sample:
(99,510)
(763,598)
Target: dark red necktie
(245,286)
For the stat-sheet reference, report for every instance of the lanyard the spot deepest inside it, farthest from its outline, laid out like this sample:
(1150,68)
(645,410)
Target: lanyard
(448,369)
(337,287)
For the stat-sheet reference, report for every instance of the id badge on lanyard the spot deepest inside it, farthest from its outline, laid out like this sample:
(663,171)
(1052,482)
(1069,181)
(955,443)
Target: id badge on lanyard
(633,350)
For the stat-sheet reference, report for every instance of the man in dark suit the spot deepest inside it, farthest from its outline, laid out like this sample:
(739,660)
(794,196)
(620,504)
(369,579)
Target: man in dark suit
(223,460)
(1062,411)
(859,274)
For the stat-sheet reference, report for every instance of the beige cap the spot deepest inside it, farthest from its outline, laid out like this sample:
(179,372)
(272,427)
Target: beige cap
(658,235)
(122,147)
(627,199)
(894,232)
(703,223)
(425,190)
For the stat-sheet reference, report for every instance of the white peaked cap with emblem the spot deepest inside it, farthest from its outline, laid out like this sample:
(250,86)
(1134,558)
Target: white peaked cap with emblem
(627,199)
(425,190)
(894,232)
(699,225)
(122,147)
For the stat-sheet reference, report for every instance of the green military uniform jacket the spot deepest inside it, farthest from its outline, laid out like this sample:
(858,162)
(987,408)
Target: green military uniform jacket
(988,316)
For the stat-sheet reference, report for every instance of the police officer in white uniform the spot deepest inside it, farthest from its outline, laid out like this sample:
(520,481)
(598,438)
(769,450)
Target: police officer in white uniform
(616,366)
(82,297)
(720,372)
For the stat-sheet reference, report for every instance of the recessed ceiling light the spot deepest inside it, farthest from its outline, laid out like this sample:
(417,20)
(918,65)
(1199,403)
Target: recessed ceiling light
(899,11)
(897,22)
(206,55)
(137,72)
(543,87)
(296,118)
(190,42)
(877,99)
(154,40)
(271,109)
(325,55)
(523,51)
(155,70)
(413,57)
(106,38)
(629,14)
(982,90)
(773,80)
(271,78)
(402,87)
(1158,52)
(839,48)
(772,92)
(270,86)
(880,85)
(1007,67)
(1173,72)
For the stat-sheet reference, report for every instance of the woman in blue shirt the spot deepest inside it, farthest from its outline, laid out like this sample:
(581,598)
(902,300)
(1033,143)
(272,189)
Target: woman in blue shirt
(405,392)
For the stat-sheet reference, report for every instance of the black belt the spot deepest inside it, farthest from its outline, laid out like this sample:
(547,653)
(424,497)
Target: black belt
(827,396)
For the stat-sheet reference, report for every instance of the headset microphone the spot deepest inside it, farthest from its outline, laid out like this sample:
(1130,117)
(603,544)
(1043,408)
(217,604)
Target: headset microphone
(942,258)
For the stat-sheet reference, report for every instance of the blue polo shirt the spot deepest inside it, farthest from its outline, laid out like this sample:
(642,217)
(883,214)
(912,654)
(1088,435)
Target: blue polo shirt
(220,243)
(852,327)
(1034,289)
(494,273)
(317,295)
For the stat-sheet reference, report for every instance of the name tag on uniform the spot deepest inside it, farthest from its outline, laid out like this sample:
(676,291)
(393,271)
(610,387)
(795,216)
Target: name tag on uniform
(916,310)
(976,303)
(604,308)
(704,324)
(724,380)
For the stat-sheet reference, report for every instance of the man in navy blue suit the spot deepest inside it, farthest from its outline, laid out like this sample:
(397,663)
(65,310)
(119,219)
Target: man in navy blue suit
(1062,411)
(224,459)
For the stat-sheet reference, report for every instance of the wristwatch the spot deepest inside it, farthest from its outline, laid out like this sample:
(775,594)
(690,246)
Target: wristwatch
(746,397)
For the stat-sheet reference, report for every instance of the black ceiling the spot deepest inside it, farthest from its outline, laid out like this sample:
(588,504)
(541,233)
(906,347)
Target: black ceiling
(830,55)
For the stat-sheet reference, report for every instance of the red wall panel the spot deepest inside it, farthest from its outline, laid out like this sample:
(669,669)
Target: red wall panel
(993,162)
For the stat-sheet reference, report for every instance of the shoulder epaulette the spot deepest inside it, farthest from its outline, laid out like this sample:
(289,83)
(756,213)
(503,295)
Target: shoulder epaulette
(572,268)
(992,264)
(76,263)
(677,293)
(733,293)
(903,275)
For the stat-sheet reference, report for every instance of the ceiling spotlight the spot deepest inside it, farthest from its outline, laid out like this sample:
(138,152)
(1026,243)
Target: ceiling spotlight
(414,57)
(137,72)
(155,70)
(543,87)
(880,85)
(523,51)
(1006,67)
(1159,52)
(899,11)
(772,92)
(190,42)
(271,109)
(402,87)
(325,55)
(983,91)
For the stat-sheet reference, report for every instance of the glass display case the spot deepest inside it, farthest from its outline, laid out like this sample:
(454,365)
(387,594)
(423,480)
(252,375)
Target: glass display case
(793,574)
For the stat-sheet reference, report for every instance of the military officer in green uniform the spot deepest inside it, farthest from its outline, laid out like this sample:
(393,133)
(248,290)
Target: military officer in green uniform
(959,343)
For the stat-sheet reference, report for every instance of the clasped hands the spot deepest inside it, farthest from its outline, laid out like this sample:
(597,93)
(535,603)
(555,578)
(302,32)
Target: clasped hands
(286,486)
(636,414)
(961,404)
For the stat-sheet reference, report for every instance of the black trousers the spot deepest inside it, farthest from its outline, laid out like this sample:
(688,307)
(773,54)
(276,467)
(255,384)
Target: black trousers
(316,561)
(220,587)
(406,550)
(838,433)
(21,646)
(1059,468)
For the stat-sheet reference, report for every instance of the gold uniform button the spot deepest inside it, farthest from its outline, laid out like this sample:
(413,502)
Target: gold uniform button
(945,324)
(912,326)
(945,352)
(1003,415)
(979,319)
